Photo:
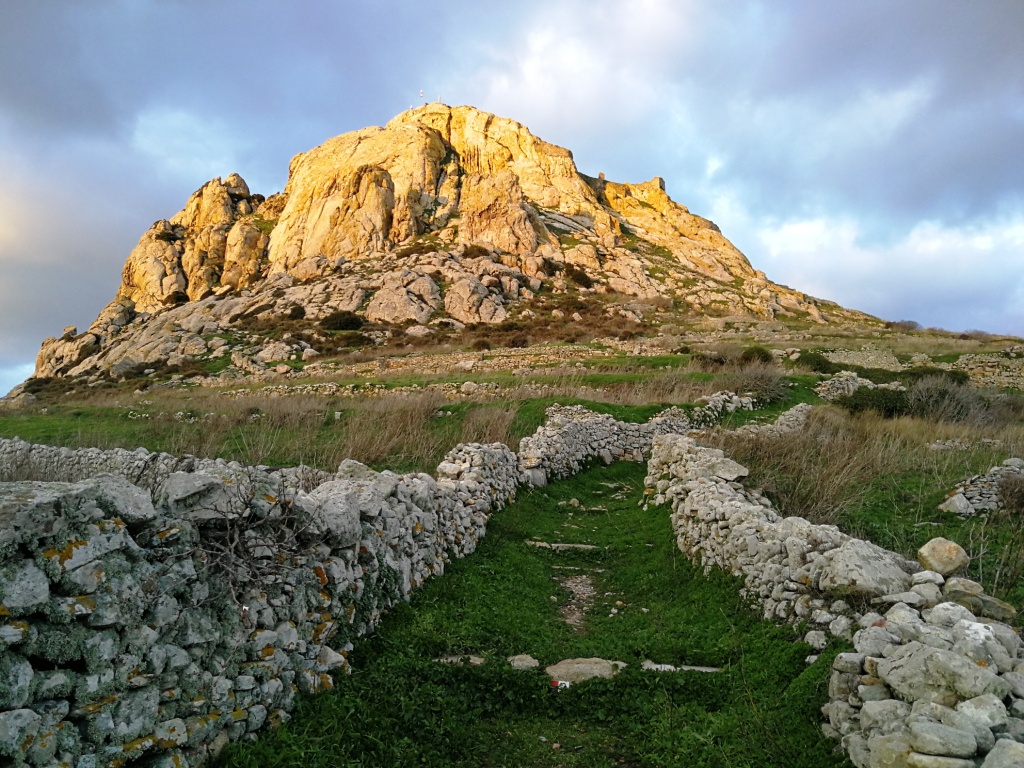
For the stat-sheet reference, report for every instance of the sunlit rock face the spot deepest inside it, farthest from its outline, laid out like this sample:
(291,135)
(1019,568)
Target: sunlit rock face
(445,214)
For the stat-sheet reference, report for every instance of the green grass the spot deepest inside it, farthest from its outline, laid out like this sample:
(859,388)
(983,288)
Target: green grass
(399,707)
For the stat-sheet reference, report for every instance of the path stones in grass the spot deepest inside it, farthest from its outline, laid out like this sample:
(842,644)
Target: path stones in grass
(560,547)
(578,670)
(652,667)
(523,661)
(462,660)
(581,591)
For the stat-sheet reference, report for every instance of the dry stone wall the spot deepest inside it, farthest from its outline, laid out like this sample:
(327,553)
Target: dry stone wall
(162,626)
(143,468)
(936,679)
(154,608)
(573,435)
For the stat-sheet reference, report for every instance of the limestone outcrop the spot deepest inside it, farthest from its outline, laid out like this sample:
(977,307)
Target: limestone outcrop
(444,215)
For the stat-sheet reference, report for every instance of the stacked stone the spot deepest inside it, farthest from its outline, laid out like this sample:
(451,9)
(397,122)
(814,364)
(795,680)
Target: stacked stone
(997,370)
(845,383)
(793,420)
(162,631)
(932,686)
(19,458)
(573,435)
(980,494)
(935,682)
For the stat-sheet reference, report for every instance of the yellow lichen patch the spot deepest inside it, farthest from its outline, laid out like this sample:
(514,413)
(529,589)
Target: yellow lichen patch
(322,631)
(168,532)
(267,651)
(326,682)
(417,528)
(136,747)
(82,605)
(350,612)
(269,498)
(61,556)
(321,574)
(96,706)
(239,715)
(4,611)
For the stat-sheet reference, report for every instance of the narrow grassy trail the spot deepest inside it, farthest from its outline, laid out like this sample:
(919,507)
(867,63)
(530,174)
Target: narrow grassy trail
(642,601)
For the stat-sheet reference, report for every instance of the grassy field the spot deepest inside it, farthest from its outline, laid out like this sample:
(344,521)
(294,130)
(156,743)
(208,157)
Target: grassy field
(402,431)
(401,707)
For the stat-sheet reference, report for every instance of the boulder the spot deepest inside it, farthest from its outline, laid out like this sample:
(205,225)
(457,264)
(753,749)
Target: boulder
(943,556)
(862,568)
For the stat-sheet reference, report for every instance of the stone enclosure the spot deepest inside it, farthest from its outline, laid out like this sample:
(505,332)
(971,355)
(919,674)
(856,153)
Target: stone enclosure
(154,608)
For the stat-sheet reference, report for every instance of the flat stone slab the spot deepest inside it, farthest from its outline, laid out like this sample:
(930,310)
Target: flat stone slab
(650,665)
(578,670)
(464,659)
(559,547)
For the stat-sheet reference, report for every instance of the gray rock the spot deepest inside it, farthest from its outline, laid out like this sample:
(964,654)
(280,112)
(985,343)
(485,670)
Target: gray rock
(918,760)
(578,670)
(16,675)
(861,568)
(958,505)
(878,714)
(18,728)
(523,661)
(916,671)
(937,739)
(988,709)
(1005,754)
(888,750)
(948,614)
(23,586)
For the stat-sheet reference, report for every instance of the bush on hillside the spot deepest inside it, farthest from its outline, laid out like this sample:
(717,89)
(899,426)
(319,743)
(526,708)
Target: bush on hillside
(757,354)
(818,363)
(342,321)
(885,402)
(942,399)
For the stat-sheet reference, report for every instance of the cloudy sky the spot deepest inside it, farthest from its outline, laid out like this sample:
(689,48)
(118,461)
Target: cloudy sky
(871,153)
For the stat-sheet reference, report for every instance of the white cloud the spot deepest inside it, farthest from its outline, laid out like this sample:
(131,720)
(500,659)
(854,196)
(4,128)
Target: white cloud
(601,62)
(946,276)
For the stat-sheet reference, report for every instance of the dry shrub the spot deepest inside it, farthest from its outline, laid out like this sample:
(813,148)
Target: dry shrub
(393,430)
(488,424)
(941,399)
(819,473)
(762,380)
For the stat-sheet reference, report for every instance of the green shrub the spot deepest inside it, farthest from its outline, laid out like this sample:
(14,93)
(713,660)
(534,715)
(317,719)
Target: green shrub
(912,375)
(757,354)
(578,276)
(342,320)
(708,361)
(886,402)
(818,363)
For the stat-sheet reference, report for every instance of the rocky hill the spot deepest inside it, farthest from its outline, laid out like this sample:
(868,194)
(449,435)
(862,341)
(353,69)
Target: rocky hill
(446,217)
